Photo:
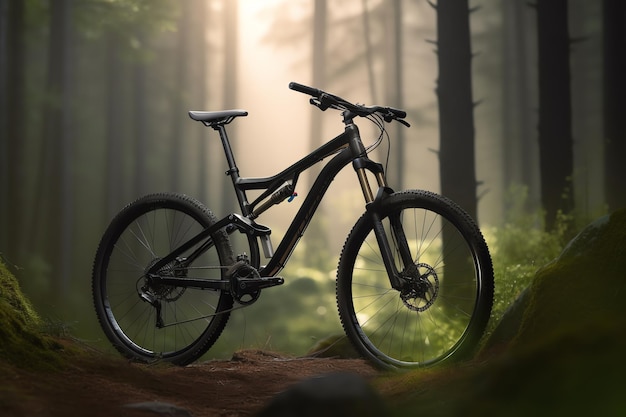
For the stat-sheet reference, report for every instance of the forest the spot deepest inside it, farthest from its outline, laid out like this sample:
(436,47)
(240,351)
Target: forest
(517,111)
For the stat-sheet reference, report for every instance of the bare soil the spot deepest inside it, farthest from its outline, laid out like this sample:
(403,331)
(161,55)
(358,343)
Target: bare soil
(99,385)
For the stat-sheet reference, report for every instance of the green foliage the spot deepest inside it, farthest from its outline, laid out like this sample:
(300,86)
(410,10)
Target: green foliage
(520,247)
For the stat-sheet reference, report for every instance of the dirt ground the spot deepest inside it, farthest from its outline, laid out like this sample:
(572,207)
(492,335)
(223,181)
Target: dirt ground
(97,385)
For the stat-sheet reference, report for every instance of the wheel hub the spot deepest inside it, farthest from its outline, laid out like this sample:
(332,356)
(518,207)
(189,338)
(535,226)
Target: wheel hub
(421,287)
(174,269)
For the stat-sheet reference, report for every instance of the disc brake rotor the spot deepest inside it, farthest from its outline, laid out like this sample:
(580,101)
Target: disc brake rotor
(422,287)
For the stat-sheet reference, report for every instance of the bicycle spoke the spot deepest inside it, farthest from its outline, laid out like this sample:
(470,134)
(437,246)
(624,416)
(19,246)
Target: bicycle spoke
(429,317)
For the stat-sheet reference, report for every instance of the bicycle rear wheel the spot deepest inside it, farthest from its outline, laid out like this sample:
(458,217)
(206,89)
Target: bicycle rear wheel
(147,322)
(444,308)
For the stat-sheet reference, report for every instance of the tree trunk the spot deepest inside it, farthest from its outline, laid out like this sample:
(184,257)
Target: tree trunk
(615,102)
(198,84)
(369,55)
(317,243)
(178,94)
(230,80)
(555,132)
(456,107)
(456,125)
(140,123)
(517,99)
(12,152)
(319,75)
(114,126)
(53,232)
(394,89)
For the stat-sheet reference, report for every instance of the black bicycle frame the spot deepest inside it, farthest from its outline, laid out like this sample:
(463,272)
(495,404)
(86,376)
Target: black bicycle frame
(347,147)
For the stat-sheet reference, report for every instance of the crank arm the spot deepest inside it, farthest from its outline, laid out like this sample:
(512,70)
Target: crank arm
(249,285)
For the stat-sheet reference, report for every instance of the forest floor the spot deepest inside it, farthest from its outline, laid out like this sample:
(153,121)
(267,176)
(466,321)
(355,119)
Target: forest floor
(99,385)
(564,356)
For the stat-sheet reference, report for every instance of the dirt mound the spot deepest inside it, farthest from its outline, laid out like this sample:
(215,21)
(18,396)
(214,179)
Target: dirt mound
(46,376)
(101,386)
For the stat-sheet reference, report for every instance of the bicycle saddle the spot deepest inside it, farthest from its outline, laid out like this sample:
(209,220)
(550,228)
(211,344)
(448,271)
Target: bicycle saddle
(216,117)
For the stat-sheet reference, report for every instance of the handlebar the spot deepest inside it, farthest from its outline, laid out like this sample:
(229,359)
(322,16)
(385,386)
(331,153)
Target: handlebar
(324,101)
(305,89)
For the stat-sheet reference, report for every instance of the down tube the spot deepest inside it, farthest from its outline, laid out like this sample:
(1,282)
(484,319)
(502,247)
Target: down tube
(305,214)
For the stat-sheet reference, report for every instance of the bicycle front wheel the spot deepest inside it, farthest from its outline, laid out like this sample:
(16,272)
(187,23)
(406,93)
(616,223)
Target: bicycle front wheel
(146,321)
(445,304)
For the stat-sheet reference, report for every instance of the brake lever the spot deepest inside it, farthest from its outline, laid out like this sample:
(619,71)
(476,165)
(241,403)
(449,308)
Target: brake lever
(404,122)
(317,103)
(390,117)
(324,102)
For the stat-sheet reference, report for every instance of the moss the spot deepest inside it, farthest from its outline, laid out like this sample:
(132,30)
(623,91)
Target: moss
(585,285)
(23,344)
(10,293)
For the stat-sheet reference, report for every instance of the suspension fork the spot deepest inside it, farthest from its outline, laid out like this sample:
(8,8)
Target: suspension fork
(373,203)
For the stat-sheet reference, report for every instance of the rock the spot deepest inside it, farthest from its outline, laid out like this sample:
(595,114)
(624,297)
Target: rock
(584,285)
(164,409)
(331,395)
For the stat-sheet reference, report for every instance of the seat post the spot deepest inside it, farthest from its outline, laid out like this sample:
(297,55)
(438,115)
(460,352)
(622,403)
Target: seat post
(233,170)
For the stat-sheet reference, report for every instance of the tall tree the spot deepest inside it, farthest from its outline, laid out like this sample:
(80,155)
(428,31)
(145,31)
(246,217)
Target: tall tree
(555,120)
(179,93)
(615,102)
(517,95)
(12,149)
(456,107)
(394,88)
(318,69)
(198,85)
(317,232)
(114,122)
(369,56)
(53,230)
(230,71)
(140,121)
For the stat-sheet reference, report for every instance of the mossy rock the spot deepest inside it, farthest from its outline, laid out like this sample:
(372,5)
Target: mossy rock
(583,287)
(23,344)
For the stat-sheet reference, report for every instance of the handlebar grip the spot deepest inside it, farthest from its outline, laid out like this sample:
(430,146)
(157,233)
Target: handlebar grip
(399,113)
(305,89)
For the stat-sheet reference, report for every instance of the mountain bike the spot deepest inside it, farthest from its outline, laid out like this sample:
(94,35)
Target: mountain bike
(414,281)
